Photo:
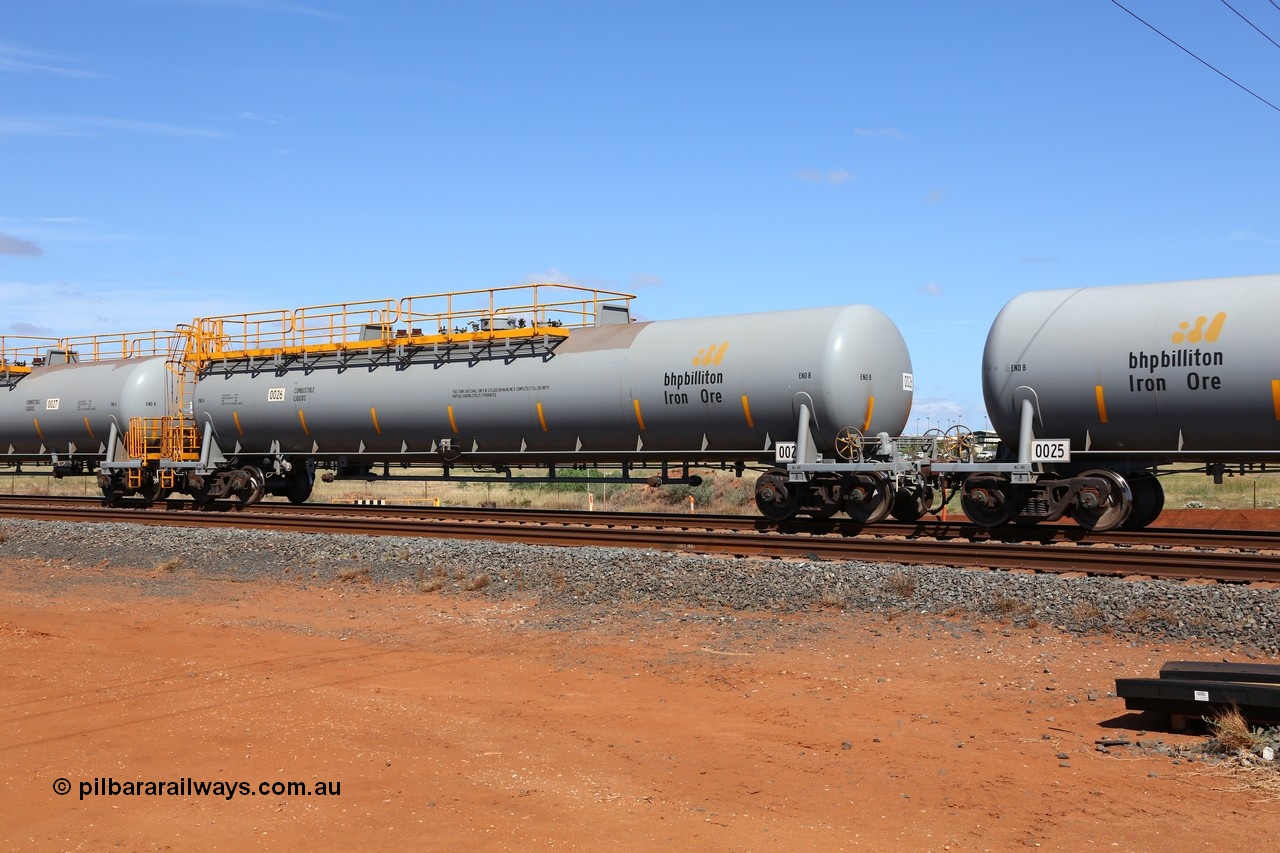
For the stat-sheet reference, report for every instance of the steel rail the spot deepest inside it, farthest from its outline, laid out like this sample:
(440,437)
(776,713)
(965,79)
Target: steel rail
(1217,565)
(1044,534)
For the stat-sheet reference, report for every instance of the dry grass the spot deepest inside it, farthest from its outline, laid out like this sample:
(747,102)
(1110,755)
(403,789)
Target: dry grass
(901,583)
(478,582)
(359,574)
(1231,732)
(1142,614)
(1261,781)
(1008,606)
(169,565)
(435,583)
(1232,737)
(832,600)
(1085,612)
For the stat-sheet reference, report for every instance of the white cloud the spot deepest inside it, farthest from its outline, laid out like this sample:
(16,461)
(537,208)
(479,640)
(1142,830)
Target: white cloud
(816,176)
(270,6)
(930,288)
(261,118)
(28,330)
(935,196)
(15,246)
(879,133)
(19,61)
(1247,235)
(642,280)
(62,309)
(551,276)
(936,413)
(89,125)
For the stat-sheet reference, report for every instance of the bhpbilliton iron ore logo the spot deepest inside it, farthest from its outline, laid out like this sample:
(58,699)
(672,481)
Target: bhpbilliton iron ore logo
(1198,333)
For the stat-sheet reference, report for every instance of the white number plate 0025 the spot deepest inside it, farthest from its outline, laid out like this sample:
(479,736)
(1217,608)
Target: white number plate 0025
(1051,450)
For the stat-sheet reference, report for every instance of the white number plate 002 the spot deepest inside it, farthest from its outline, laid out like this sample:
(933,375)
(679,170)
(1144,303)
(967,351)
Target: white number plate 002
(1051,450)
(784,452)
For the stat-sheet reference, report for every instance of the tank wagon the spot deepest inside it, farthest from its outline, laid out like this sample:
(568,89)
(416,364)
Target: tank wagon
(544,376)
(1132,378)
(1091,391)
(62,401)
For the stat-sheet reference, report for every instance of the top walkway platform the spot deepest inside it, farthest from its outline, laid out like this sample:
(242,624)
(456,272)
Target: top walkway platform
(517,313)
(530,312)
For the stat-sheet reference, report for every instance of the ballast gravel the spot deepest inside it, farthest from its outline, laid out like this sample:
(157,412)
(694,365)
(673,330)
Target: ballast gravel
(1238,617)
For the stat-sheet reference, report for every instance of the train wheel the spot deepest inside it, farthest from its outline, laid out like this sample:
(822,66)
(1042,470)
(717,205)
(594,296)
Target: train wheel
(1093,512)
(867,498)
(254,485)
(112,492)
(1148,501)
(985,500)
(299,488)
(774,497)
(152,492)
(200,494)
(912,504)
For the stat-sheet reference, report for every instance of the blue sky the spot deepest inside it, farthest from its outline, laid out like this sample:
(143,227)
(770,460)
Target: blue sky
(166,159)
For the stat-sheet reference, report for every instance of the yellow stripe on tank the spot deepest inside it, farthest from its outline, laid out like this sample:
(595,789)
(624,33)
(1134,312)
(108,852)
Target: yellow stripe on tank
(541,419)
(639,417)
(871,407)
(88,428)
(746,410)
(36,421)
(452,424)
(1102,403)
(1275,397)
(373,413)
(235,416)
(302,419)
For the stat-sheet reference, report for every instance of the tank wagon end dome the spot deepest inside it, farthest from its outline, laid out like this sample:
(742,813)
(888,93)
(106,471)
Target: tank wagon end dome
(1167,368)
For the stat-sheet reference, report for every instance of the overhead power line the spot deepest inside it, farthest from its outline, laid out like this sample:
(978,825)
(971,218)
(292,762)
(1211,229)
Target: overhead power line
(1196,58)
(1251,23)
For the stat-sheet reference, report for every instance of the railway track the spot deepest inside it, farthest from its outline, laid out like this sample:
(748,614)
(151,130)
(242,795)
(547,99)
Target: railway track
(1229,556)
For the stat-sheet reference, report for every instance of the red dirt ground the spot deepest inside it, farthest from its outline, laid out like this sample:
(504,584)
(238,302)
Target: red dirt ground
(454,722)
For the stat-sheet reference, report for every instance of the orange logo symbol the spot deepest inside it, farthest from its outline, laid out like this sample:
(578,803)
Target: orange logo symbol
(1198,332)
(710,355)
